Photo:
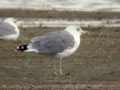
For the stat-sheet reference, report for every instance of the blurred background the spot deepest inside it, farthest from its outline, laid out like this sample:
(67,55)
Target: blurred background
(77,5)
(80,12)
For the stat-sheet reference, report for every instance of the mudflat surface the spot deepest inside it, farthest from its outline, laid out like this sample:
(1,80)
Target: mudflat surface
(96,61)
(94,66)
(54,14)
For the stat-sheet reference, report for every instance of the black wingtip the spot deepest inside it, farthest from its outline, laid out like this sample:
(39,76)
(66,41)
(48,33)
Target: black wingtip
(22,47)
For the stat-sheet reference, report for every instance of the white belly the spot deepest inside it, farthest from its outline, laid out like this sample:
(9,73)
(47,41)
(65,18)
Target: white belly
(12,37)
(69,50)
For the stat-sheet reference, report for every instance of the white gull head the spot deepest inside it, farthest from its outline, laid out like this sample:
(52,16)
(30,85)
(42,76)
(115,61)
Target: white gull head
(13,22)
(76,30)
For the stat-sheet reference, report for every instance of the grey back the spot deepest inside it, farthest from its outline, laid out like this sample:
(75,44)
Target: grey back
(53,43)
(6,29)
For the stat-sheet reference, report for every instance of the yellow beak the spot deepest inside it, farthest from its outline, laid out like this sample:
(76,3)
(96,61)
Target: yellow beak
(20,26)
(86,32)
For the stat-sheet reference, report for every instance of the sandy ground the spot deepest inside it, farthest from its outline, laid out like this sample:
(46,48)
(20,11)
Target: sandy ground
(94,66)
(96,61)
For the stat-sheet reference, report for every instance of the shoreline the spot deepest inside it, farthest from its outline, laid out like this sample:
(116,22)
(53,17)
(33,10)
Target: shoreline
(53,18)
(63,87)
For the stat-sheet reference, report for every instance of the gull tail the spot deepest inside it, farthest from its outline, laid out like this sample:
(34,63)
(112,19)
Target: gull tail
(22,47)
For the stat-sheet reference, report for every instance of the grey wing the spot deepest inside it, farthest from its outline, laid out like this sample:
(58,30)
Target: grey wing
(53,43)
(47,35)
(6,29)
(35,39)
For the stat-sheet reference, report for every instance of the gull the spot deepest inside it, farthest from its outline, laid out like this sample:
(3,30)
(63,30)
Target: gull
(9,29)
(59,44)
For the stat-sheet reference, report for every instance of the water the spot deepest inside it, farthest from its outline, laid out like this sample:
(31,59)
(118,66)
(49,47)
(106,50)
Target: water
(79,5)
(40,22)
(37,22)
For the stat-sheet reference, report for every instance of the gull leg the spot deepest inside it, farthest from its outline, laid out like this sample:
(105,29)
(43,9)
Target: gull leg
(55,69)
(60,67)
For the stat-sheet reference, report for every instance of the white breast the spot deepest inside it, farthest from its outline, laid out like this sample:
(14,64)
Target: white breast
(70,50)
(16,35)
(9,37)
